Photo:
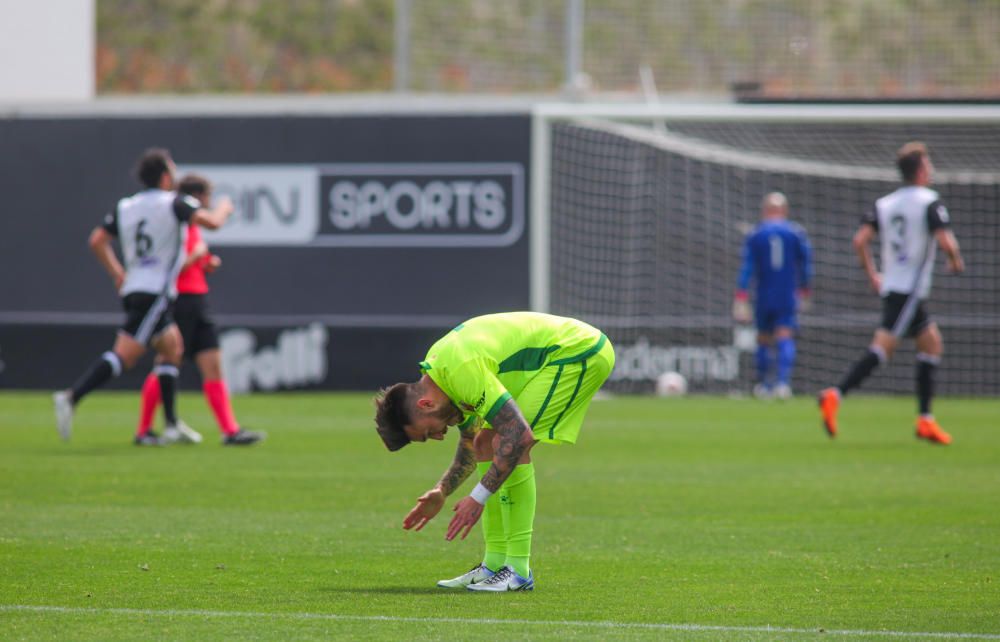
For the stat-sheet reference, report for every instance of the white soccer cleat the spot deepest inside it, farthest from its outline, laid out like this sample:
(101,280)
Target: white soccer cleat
(478,573)
(762,391)
(181,432)
(506,579)
(783,391)
(64,413)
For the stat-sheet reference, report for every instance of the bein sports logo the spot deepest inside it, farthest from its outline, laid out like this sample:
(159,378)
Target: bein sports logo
(371,205)
(297,359)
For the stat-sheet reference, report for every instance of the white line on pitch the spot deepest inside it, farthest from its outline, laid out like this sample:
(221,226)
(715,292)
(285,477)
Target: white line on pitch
(659,626)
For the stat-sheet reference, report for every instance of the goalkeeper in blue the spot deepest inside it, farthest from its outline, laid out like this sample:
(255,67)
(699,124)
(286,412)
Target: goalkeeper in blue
(778,258)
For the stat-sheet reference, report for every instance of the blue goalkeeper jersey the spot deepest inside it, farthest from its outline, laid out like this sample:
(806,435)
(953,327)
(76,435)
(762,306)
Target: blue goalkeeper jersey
(778,257)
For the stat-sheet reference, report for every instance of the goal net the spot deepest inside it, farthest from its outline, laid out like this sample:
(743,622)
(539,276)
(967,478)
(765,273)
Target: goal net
(640,216)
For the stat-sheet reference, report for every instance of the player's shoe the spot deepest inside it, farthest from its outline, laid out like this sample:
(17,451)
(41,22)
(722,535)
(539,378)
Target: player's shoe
(782,391)
(506,579)
(829,403)
(243,438)
(762,391)
(478,573)
(181,432)
(929,429)
(63,402)
(150,439)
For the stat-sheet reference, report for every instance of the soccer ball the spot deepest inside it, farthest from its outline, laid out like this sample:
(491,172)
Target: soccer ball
(671,384)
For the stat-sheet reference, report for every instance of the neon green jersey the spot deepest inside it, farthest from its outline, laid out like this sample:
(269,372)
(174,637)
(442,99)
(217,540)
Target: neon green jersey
(489,359)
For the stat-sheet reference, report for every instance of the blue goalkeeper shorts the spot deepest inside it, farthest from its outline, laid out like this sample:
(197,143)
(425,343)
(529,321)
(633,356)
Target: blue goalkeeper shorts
(768,319)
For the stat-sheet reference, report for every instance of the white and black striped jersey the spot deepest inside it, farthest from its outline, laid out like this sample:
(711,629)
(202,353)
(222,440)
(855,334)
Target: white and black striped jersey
(906,221)
(151,227)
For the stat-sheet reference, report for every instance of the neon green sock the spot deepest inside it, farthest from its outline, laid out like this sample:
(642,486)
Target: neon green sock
(517,497)
(493,531)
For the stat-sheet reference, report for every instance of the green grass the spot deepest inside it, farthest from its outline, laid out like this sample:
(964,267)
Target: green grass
(698,511)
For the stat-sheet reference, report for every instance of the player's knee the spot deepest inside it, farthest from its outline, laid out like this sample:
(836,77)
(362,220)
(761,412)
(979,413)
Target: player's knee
(933,346)
(127,358)
(128,351)
(882,349)
(209,364)
(929,341)
(783,333)
(171,348)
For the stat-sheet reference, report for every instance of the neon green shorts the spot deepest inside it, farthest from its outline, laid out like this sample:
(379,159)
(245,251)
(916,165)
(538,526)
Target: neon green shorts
(556,400)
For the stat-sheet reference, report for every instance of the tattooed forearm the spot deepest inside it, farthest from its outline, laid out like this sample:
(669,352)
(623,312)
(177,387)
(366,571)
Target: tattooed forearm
(461,467)
(512,441)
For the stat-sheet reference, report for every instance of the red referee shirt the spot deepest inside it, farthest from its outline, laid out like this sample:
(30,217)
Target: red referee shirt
(192,279)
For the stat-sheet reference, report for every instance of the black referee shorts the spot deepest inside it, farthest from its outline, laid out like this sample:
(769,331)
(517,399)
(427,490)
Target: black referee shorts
(196,326)
(146,315)
(904,315)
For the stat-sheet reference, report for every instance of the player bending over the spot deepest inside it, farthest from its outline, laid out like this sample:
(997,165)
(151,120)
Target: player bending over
(912,222)
(201,341)
(150,227)
(778,257)
(507,381)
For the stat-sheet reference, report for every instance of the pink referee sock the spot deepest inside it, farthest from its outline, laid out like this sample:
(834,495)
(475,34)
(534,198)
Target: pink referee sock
(150,400)
(218,399)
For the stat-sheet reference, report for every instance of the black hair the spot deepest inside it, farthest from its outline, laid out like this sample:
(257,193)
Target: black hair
(909,158)
(151,166)
(194,185)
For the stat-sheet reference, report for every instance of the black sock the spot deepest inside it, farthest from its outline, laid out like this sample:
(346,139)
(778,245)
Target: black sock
(859,372)
(925,384)
(167,375)
(98,374)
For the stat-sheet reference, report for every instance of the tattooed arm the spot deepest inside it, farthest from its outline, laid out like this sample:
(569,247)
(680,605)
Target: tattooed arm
(513,439)
(464,462)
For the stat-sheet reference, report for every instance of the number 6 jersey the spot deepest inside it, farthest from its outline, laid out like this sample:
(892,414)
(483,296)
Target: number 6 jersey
(906,221)
(151,227)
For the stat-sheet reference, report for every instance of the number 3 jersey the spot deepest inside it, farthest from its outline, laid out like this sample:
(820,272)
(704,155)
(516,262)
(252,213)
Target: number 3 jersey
(906,221)
(151,227)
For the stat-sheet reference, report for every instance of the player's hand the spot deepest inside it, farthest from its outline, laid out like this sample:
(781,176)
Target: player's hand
(428,505)
(212,263)
(225,204)
(467,513)
(118,279)
(741,307)
(875,281)
(956,264)
(805,300)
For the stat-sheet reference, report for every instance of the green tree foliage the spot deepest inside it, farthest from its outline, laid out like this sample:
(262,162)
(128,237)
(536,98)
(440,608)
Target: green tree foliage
(846,47)
(178,46)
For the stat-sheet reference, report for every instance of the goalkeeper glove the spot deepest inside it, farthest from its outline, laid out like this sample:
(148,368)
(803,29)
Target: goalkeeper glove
(805,299)
(741,307)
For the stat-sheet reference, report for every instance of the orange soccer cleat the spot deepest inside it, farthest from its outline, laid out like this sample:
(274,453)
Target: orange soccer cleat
(829,402)
(929,429)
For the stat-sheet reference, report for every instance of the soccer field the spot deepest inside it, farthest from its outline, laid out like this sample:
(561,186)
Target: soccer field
(694,518)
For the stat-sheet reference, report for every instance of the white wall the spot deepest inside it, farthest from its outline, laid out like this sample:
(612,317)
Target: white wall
(46,50)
